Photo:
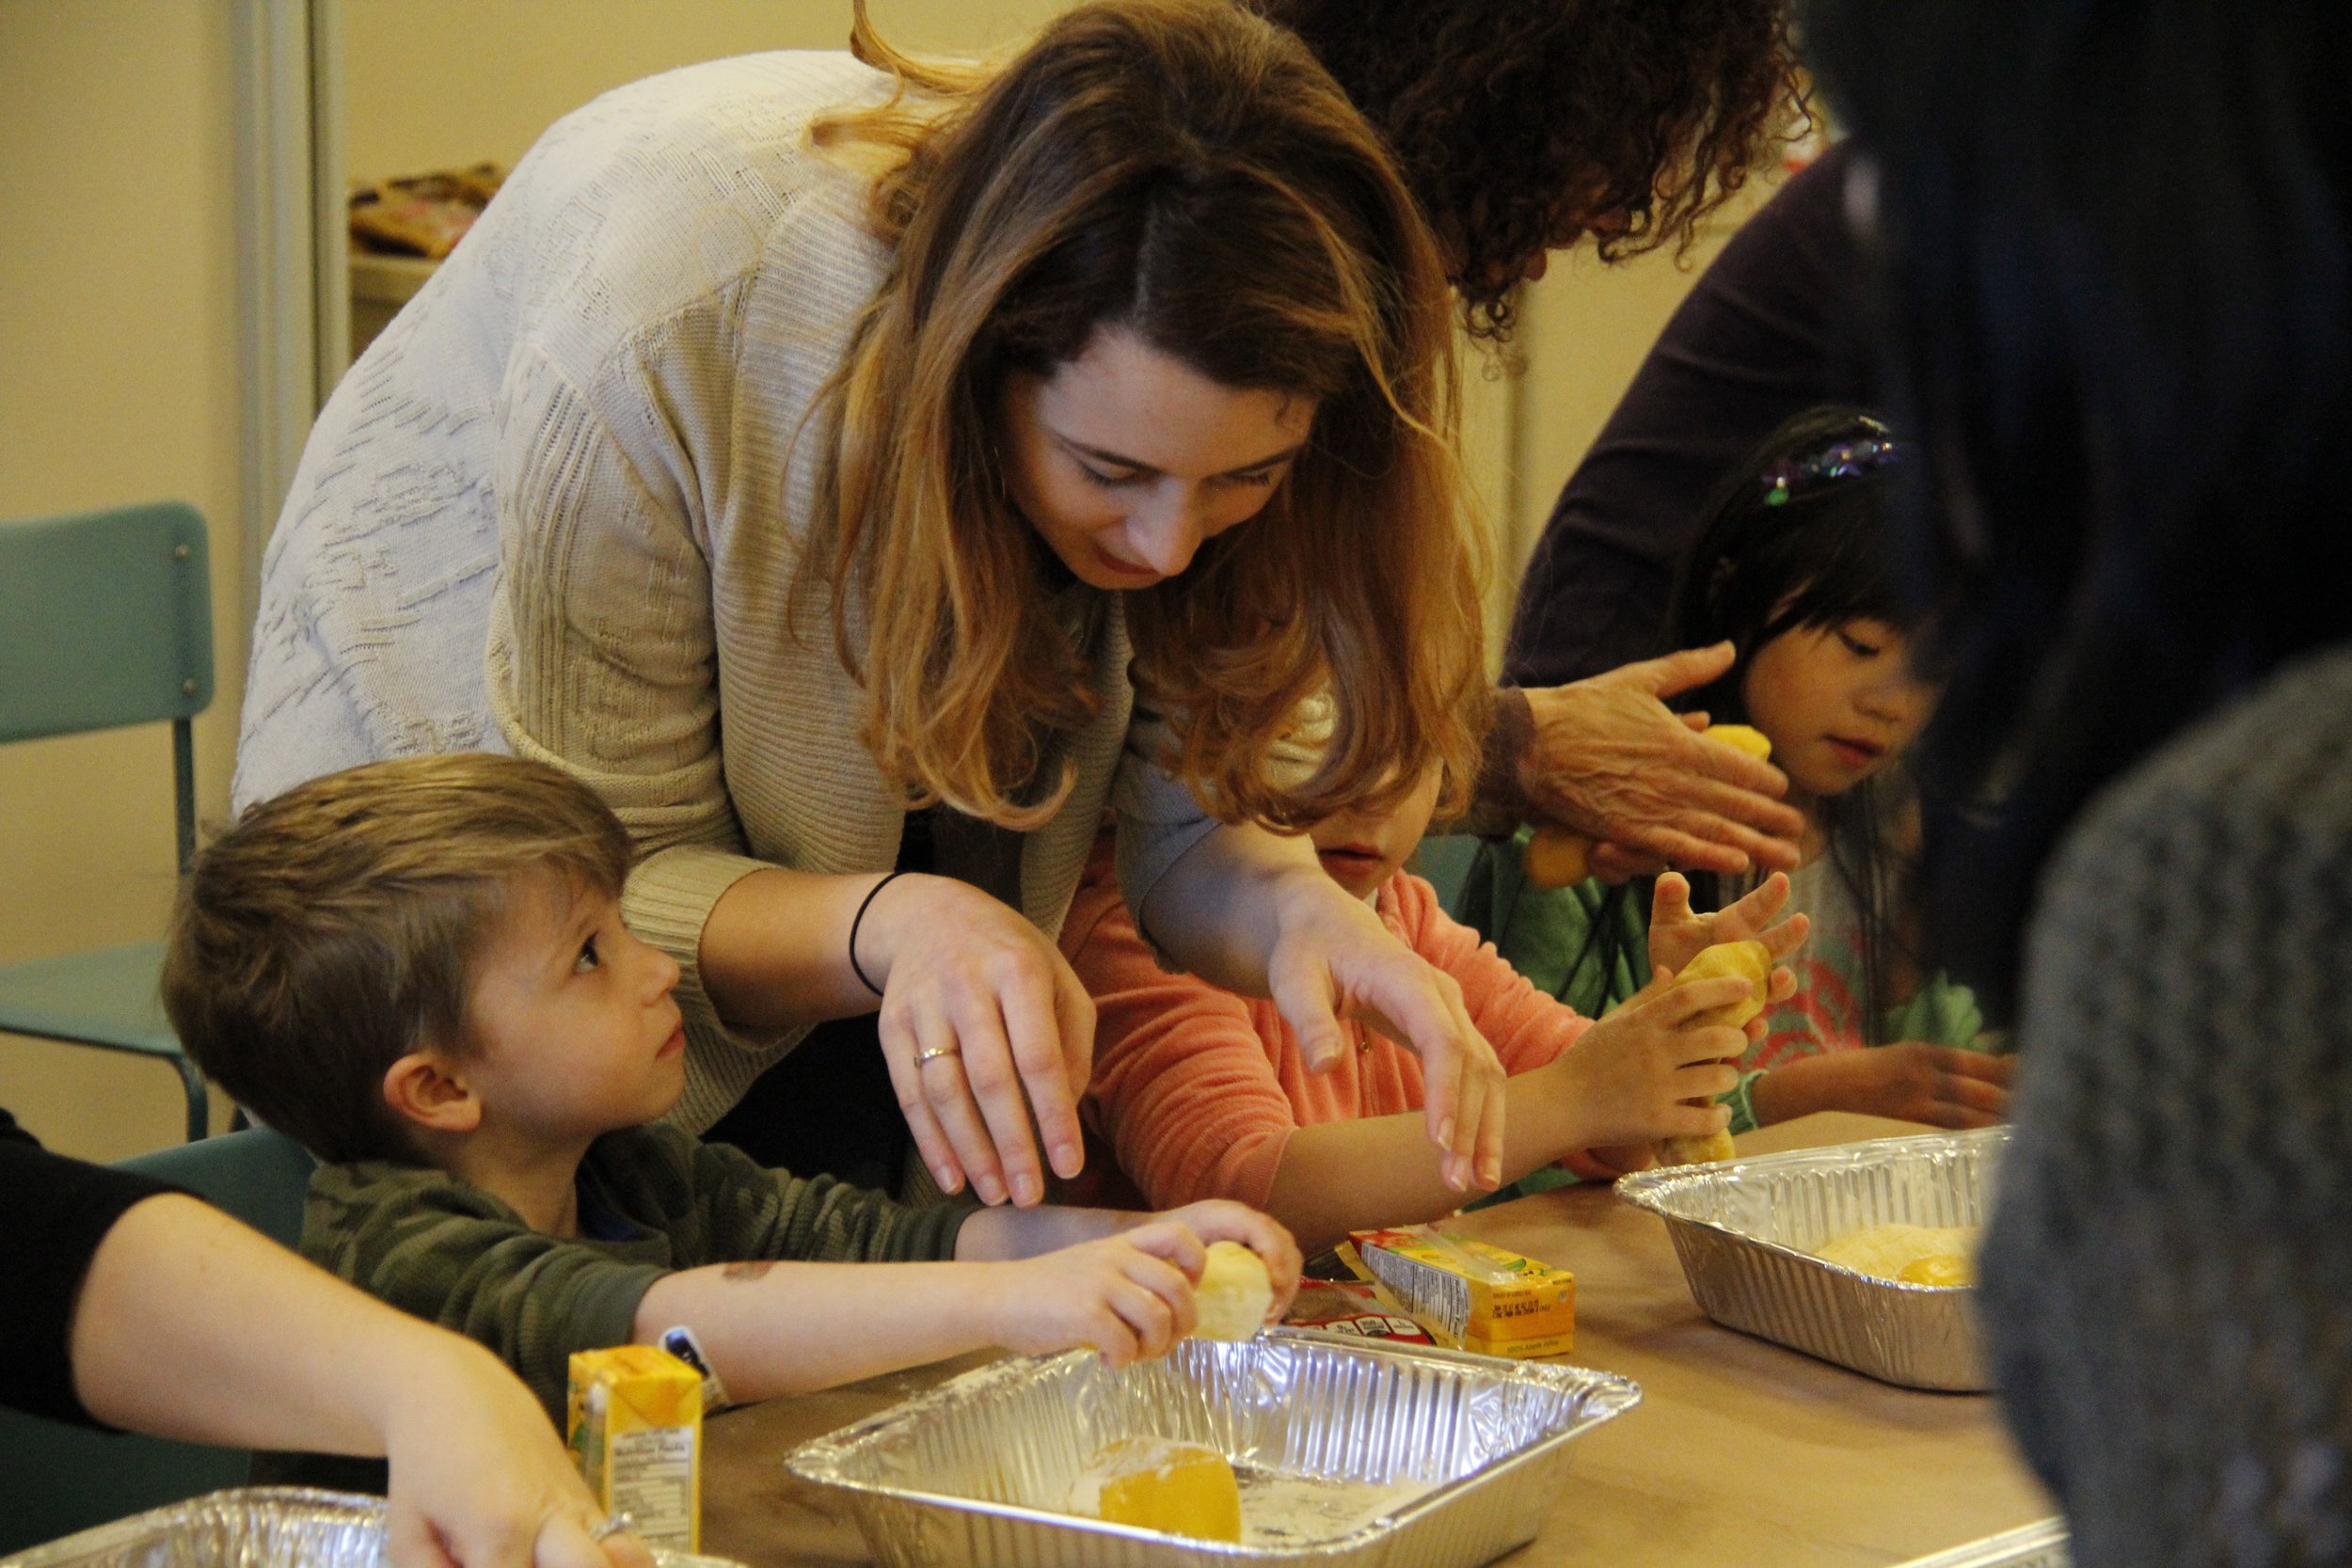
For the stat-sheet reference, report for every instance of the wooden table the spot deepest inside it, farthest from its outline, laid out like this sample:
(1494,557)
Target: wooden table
(1741,1453)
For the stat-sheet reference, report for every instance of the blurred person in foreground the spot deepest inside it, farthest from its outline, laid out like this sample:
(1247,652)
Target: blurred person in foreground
(134,1306)
(2119,290)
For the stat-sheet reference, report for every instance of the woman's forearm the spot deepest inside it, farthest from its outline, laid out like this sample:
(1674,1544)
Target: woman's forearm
(1341,1175)
(190,1325)
(1218,910)
(775,950)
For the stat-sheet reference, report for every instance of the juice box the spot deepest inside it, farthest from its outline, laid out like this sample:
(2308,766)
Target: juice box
(635,1423)
(1468,1294)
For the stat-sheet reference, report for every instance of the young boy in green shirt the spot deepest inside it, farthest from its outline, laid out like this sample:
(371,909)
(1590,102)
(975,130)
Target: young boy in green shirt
(418,969)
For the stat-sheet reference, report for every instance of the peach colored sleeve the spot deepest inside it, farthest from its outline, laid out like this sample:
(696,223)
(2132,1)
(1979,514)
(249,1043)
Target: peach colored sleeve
(1184,1091)
(1526,1027)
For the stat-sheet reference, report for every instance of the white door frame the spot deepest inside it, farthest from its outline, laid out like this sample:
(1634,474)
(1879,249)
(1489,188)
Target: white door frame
(293,302)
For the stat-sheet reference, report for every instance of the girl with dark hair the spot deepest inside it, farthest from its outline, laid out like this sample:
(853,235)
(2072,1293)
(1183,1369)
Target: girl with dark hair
(1793,567)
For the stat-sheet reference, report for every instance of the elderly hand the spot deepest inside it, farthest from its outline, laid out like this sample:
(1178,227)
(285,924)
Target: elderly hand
(1609,759)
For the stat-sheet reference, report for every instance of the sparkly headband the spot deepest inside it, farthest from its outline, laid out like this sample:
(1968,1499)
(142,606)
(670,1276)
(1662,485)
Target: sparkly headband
(1841,461)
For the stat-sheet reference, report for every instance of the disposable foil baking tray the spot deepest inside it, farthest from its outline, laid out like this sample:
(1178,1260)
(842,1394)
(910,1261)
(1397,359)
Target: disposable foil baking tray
(1745,1231)
(1349,1453)
(2036,1545)
(254,1526)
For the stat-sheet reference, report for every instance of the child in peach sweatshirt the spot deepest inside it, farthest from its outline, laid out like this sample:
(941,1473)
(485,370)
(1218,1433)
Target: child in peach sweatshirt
(1202,1093)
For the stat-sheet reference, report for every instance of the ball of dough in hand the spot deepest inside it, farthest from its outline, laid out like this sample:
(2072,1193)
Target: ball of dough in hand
(1751,961)
(1235,1292)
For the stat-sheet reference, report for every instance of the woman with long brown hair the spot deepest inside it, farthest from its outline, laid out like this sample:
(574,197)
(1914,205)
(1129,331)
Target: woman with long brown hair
(804,454)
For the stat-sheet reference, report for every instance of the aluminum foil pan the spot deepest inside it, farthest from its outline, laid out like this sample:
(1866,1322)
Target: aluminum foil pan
(1745,1231)
(2040,1546)
(256,1526)
(1349,1453)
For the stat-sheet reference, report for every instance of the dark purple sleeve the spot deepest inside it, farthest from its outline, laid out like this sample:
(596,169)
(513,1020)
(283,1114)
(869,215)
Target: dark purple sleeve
(54,1211)
(1770,329)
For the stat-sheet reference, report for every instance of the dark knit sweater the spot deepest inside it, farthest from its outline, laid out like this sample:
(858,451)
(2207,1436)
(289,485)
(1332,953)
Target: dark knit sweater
(2167,1281)
(446,1250)
(1771,328)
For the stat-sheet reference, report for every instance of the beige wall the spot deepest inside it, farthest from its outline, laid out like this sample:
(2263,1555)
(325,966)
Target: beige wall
(118,383)
(432,83)
(118,364)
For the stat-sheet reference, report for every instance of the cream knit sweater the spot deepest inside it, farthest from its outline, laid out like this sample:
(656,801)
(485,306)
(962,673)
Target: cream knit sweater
(554,510)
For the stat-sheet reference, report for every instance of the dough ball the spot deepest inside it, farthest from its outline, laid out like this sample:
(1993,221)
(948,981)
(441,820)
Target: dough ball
(1235,1293)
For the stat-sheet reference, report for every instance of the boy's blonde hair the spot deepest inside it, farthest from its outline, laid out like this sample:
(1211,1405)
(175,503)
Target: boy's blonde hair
(337,927)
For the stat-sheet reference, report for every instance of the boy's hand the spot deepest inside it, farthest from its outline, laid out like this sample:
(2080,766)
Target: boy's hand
(1129,1297)
(1631,1075)
(1936,1084)
(1217,1220)
(1677,935)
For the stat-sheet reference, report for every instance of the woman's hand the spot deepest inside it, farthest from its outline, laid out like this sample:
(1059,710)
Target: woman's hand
(1331,959)
(1677,935)
(1609,760)
(478,1480)
(983,1024)
(1938,1085)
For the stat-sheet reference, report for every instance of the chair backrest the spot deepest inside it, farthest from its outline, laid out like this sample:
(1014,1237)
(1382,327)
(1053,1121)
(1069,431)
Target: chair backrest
(56,1480)
(259,1175)
(110,619)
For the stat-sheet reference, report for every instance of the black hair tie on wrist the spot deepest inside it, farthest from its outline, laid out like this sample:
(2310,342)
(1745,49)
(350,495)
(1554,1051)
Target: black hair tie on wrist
(858,919)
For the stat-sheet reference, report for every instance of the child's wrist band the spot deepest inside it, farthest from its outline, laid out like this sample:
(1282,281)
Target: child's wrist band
(858,919)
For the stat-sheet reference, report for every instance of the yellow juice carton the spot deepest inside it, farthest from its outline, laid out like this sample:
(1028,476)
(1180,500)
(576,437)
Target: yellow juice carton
(635,1423)
(1468,1294)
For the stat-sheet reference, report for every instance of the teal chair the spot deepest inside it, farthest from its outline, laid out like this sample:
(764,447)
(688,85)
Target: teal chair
(106,620)
(54,1479)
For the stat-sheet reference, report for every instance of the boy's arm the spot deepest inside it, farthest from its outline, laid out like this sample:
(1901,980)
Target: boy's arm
(771,1327)
(454,1256)
(1527,1027)
(1034,1280)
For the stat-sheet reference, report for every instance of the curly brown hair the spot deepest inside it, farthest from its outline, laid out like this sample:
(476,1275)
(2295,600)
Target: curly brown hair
(1520,124)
